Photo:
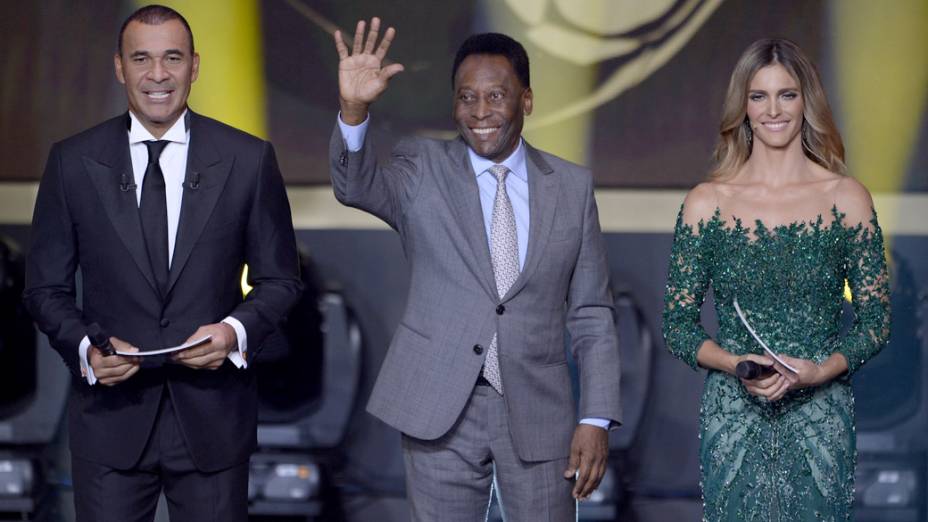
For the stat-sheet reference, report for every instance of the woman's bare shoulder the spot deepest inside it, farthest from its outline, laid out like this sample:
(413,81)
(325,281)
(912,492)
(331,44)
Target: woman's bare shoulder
(701,203)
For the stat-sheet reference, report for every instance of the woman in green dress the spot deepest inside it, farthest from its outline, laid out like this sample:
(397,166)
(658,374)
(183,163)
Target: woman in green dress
(781,230)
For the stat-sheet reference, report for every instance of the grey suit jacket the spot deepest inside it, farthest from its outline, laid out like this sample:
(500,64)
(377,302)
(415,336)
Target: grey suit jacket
(428,193)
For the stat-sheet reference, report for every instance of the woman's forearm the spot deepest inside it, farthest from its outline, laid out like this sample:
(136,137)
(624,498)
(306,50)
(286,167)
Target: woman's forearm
(711,355)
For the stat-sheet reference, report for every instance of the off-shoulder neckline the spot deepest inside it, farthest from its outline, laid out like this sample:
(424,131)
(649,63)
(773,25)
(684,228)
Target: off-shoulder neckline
(763,230)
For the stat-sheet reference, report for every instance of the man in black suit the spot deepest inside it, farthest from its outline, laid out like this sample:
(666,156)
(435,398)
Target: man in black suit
(160,209)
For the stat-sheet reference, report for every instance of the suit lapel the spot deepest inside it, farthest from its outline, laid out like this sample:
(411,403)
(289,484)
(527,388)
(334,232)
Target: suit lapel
(464,197)
(205,178)
(542,196)
(107,172)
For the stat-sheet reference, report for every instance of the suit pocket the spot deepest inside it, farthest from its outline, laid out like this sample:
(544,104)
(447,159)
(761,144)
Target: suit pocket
(562,362)
(409,358)
(407,339)
(416,332)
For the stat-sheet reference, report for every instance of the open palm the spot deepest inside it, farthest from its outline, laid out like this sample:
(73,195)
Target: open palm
(361,74)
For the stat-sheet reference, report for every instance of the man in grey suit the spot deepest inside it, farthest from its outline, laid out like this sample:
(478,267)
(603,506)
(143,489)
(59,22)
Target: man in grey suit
(505,252)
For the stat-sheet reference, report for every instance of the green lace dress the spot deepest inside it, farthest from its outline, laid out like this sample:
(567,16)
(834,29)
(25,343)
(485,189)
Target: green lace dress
(794,459)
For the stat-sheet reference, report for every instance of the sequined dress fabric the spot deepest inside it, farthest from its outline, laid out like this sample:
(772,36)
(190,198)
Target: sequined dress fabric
(793,459)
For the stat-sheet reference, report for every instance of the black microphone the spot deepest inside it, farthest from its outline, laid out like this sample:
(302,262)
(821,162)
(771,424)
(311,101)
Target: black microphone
(752,370)
(193,183)
(125,185)
(99,339)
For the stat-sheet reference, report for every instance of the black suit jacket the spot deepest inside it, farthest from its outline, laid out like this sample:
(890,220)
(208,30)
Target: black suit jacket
(83,219)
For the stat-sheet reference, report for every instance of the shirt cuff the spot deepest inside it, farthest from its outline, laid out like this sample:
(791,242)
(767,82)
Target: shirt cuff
(86,369)
(353,134)
(239,357)
(596,421)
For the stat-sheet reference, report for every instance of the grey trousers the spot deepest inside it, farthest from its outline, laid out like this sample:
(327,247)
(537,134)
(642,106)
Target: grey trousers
(450,479)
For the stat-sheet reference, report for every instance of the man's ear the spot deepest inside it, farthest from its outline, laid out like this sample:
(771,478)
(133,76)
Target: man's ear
(527,99)
(195,73)
(117,65)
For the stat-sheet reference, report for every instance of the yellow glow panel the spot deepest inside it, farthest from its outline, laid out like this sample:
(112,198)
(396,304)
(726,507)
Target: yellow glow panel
(227,35)
(245,286)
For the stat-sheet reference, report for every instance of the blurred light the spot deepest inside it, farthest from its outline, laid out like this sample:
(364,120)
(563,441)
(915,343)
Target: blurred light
(888,477)
(16,477)
(245,286)
(605,492)
(284,481)
(848,296)
(889,488)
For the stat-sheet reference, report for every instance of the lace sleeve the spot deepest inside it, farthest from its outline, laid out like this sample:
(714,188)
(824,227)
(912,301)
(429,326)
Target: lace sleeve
(687,281)
(868,279)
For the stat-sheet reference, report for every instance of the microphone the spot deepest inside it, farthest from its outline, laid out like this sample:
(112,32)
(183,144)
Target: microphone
(752,370)
(126,185)
(193,181)
(99,339)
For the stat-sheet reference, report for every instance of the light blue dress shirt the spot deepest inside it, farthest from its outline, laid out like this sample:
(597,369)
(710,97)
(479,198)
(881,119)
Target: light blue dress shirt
(516,187)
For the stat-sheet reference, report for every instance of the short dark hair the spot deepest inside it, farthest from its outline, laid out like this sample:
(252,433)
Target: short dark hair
(498,44)
(153,14)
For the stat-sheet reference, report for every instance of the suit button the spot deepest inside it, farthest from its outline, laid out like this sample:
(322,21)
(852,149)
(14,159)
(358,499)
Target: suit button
(343,159)
(164,323)
(478,349)
(500,310)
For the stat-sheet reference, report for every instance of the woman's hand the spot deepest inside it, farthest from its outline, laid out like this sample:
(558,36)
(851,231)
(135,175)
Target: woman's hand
(808,373)
(783,380)
(770,386)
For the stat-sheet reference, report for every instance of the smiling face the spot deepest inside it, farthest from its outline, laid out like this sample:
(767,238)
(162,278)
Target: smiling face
(157,66)
(490,104)
(774,106)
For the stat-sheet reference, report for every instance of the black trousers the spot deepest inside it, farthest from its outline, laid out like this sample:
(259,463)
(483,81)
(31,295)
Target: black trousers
(104,494)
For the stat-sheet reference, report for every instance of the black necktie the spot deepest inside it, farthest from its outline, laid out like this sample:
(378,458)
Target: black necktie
(153,210)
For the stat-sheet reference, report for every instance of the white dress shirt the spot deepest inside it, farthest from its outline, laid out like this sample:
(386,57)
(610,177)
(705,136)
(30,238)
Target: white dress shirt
(173,162)
(516,188)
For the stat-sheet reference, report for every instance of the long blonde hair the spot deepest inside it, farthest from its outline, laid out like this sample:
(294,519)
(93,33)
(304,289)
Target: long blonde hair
(821,140)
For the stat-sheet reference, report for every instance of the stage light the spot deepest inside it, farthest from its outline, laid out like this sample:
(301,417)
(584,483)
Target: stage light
(283,480)
(888,488)
(292,482)
(16,477)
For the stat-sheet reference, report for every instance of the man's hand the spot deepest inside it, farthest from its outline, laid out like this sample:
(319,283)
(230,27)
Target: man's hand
(588,452)
(115,368)
(361,79)
(211,354)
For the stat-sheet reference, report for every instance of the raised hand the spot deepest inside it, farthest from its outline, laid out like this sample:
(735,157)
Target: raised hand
(361,75)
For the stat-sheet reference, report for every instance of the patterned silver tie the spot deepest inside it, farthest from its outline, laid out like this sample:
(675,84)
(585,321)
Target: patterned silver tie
(504,252)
